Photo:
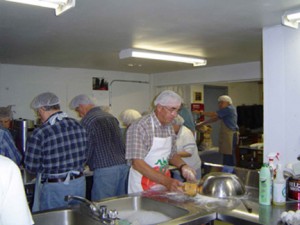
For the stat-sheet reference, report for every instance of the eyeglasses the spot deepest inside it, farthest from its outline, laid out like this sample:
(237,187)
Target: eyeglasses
(172,110)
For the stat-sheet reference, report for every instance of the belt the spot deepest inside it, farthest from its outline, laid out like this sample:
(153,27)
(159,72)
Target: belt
(58,180)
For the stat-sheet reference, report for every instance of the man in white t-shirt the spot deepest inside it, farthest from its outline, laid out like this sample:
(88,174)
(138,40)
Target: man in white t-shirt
(14,209)
(186,148)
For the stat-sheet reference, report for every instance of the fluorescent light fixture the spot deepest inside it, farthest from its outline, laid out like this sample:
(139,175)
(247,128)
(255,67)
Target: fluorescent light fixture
(138,53)
(60,6)
(291,19)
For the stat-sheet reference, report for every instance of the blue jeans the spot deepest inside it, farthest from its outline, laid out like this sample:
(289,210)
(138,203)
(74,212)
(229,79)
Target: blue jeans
(110,181)
(53,194)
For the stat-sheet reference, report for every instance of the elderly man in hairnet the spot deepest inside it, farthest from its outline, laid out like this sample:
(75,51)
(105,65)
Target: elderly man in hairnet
(56,152)
(151,146)
(106,151)
(128,116)
(6,119)
(8,147)
(228,136)
(186,147)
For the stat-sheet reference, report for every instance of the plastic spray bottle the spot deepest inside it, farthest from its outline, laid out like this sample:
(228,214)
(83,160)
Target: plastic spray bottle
(271,157)
(279,187)
(265,185)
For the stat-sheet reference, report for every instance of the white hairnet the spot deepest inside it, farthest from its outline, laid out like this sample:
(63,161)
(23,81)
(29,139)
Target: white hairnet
(44,99)
(168,98)
(6,112)
(128,116)
(225,98)
(81,100)
(178,120)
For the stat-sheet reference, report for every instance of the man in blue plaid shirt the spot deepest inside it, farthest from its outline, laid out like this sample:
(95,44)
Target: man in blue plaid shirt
(56,152)
(7,146)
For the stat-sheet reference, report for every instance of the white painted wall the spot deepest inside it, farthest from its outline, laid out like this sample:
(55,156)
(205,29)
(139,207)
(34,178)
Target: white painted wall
(204,75)
(20,84)
(246,93)
(242,93)
(281,48)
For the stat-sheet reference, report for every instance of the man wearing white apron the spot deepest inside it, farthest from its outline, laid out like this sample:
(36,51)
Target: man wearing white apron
(228,135)
(151,146)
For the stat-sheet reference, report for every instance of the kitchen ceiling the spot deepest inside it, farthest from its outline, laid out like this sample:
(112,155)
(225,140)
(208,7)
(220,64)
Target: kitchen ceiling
(92,34)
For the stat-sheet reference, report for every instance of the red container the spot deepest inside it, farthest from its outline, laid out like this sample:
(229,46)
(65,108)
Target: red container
(293,191)
(293,188)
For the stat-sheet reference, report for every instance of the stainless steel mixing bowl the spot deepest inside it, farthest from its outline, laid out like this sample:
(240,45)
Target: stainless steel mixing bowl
(221,185)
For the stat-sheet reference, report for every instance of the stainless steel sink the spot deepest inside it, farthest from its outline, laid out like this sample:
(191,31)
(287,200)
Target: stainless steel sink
(143,210)
(71,216)
(133,209)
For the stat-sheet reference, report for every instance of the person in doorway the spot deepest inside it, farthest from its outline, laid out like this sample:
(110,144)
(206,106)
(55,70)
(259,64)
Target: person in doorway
(228,135)
(8,147)
(56,152)
(106,151)
(151,146)
(13,203)
(186,148)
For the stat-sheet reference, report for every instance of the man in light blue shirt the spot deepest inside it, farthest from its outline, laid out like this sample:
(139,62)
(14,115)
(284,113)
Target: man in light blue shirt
(228,136)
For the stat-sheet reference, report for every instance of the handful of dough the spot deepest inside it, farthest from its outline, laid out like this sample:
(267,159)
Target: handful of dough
(190,189)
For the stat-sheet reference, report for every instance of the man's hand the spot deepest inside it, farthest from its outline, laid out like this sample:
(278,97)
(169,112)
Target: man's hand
(188,173)
(174,185)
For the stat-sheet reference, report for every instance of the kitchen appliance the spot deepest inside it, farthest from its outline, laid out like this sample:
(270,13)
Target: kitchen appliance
(23,128)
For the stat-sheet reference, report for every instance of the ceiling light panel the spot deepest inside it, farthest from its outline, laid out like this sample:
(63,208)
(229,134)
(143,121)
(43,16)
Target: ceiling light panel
(138,53)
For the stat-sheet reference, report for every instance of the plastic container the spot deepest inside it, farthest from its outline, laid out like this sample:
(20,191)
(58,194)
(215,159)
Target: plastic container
(271,159)
(265,185)
(279,187)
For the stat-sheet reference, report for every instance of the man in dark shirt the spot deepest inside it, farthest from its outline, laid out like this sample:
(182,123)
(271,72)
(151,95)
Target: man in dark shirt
(56,152)
(106,152)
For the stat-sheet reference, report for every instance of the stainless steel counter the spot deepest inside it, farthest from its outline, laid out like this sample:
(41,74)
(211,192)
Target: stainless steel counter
(204,211)
(267,215)
(197,213)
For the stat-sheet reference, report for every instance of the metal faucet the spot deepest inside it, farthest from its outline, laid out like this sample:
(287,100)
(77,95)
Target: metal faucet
(101,213)
(91,205)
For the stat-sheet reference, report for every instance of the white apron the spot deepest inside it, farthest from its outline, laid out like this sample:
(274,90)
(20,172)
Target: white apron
(226,139)
(157,158)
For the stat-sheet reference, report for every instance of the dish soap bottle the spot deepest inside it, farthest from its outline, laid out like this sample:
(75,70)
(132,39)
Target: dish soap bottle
(265,185)
(279,187)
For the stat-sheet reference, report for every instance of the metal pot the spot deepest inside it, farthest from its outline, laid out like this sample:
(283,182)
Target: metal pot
(22,127)
(221,185)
